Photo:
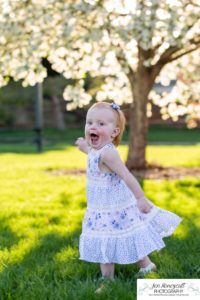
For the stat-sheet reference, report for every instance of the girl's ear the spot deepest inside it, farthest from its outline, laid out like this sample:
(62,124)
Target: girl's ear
(116,132)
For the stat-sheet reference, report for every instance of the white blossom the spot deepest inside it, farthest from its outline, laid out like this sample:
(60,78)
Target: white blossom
(76,96)
(99,37)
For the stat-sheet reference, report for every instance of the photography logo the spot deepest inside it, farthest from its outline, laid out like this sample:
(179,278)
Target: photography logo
(166,289)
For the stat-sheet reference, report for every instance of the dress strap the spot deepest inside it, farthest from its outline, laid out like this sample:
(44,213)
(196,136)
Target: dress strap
(110,145)
(107,146)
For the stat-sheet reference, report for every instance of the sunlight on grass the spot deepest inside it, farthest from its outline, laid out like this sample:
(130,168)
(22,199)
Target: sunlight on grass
(40,225)
(69,253)
(186,156)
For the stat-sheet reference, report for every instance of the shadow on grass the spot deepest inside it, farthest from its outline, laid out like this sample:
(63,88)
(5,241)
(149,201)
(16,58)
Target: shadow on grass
(65,199)
(40,269)
(7,237)
(52,269)
(181,257)
(183,253)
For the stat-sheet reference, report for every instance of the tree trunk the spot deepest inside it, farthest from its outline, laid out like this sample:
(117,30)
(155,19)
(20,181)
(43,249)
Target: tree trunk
(58,113)
(141,86)
(57,110)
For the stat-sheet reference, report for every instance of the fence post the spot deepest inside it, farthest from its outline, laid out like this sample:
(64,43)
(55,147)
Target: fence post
(39,116)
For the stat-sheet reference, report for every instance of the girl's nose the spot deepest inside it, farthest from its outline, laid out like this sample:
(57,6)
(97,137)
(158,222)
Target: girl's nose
(93,126)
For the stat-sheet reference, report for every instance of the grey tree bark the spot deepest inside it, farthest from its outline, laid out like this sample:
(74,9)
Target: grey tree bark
(141,81)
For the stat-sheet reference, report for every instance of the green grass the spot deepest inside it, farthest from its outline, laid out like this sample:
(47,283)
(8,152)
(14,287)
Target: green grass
(40,224)
(176,135)
(156,134)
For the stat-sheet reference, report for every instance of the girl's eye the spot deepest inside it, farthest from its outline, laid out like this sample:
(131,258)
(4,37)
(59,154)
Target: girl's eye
(101,123)
(89,123)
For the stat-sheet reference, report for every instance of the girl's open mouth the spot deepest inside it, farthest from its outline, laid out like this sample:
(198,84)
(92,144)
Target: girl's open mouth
(94,138)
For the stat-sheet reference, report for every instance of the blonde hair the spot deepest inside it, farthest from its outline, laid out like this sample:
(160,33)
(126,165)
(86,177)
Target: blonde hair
(120,119)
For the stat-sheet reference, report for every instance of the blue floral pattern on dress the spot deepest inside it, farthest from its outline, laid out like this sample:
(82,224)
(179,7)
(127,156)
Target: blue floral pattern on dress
(113,229)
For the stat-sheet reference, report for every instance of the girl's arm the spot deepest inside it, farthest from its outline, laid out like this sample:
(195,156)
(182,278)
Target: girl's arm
(113,161)
(82,145)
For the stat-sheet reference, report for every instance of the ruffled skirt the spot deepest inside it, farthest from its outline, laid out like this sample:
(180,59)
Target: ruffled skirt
(124,235)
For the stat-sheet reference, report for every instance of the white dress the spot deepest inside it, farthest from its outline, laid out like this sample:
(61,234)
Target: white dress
(113,228)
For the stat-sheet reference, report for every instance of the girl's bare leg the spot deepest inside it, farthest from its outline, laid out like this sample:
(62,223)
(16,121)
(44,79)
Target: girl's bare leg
(144,262)
(107,270)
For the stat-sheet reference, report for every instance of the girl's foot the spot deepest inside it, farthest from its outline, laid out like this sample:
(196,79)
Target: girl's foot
(100,289)
(148,269)
(103,285)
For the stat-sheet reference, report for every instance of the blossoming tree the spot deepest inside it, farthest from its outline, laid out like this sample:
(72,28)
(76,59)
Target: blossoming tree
(127,41)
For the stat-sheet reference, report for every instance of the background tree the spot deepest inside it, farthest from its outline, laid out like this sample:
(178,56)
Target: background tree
(131,40)
(184,98)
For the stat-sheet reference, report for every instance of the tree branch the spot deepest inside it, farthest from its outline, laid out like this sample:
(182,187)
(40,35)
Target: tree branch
(155,70)
(131,74)
(164,58)
(184,53)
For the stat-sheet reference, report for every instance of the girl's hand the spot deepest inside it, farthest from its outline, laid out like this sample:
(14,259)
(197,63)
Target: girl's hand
(143,205)
(82,145)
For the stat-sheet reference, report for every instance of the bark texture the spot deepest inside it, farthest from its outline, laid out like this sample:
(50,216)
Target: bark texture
(141,83)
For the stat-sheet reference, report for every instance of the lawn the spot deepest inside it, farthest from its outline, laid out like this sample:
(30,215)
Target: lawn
(40,224)
(52,135)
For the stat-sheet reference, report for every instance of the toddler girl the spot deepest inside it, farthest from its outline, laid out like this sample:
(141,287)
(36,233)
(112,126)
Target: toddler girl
(120,226)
